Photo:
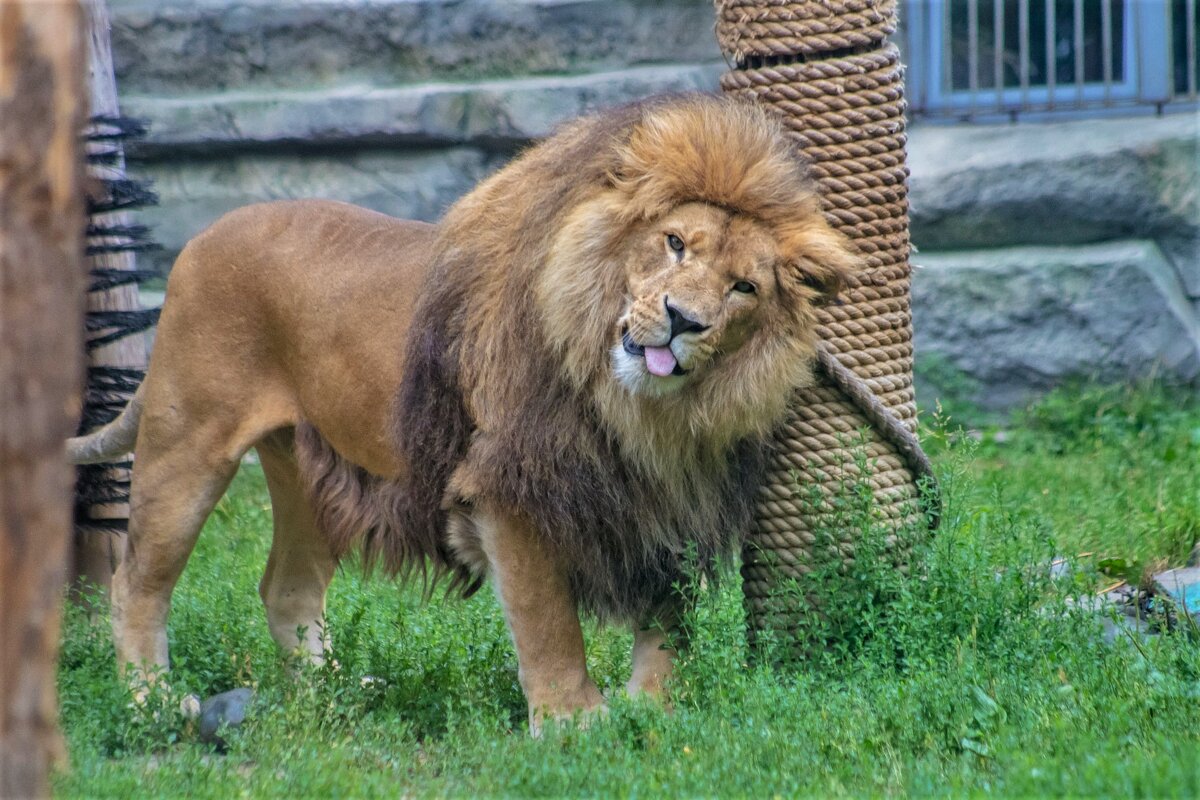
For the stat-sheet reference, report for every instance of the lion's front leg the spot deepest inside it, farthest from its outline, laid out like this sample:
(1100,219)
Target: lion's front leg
(542,618)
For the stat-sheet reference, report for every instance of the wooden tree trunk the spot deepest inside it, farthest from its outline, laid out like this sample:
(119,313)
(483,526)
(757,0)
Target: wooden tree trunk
(94,552)
(41,322)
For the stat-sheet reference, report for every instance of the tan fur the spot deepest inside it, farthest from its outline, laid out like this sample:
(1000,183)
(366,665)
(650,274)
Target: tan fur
(278,314)
(515,433)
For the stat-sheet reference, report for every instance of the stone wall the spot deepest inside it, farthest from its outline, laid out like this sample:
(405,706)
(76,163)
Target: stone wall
(1048,250)
(397,105)
(1054,251)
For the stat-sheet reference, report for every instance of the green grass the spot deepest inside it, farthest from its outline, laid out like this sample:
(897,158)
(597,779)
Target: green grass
(969,676)
(1113,471)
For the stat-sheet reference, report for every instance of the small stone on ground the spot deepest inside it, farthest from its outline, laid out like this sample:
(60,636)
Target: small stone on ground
(227,709)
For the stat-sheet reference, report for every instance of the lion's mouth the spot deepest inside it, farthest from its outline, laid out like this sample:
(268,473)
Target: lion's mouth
(660,361)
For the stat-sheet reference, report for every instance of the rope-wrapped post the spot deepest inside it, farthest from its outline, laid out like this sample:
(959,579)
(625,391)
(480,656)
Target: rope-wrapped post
(826,67)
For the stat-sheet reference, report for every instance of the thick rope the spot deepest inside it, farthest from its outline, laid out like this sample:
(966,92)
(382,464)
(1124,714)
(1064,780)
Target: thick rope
(747,28)
(826,68)
(886,423)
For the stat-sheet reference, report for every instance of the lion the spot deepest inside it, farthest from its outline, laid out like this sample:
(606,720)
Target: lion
(566,386)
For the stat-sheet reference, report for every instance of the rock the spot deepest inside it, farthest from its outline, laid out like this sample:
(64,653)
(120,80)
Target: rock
(189,707)
(193,194)
(1061,568)
(997,327)
(1056,183)
(1184,253)
(164,46)
(227,709)
(1125,626)
(1118,612)
(408,178)
(1124,612)
(497,114)
(1093,603)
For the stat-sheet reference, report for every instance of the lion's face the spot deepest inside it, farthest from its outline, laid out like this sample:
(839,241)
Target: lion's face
(679,290)
(701,282)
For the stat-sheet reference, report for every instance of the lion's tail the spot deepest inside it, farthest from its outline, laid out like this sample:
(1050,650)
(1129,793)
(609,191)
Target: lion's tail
(114,439)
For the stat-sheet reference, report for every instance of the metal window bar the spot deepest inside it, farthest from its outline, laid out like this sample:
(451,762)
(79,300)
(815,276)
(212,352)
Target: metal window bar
(998,51)
(1051,53)
(1189,32)
(944,54)
(1023,50)
(973,48)
(1106,39)
(1077,23)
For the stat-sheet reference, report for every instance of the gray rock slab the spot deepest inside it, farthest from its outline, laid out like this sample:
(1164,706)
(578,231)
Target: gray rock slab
(1118,616)
(171,46)
(410,184)
(489,113)
(1056,183)
(1184,253)
(1007,324)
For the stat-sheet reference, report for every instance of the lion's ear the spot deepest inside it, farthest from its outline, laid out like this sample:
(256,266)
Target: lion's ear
(819,262)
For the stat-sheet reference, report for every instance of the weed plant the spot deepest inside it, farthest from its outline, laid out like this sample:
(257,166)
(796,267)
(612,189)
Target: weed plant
(968,674)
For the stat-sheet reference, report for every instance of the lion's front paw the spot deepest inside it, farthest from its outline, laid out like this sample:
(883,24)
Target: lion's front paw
(581,718)
(580,706)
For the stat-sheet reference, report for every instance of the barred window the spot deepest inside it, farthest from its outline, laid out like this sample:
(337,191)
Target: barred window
(1007,58)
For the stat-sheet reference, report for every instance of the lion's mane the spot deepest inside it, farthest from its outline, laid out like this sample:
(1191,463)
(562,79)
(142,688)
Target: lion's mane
(508,398)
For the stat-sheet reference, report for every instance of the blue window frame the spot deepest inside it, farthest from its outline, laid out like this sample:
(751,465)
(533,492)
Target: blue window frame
(1003,58)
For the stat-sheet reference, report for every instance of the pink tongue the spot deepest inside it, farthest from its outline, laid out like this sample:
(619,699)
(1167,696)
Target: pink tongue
(660,361)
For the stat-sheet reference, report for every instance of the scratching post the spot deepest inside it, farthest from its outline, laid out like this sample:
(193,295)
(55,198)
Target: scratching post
(116,350)
(826,68)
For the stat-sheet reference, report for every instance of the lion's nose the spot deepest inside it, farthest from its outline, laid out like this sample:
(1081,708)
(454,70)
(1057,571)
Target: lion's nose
(681,322)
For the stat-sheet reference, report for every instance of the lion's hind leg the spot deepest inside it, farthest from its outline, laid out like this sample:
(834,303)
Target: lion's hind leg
(301,564)
(179,475)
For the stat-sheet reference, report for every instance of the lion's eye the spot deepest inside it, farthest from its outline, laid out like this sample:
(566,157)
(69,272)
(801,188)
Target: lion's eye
(675,243)
(745,287)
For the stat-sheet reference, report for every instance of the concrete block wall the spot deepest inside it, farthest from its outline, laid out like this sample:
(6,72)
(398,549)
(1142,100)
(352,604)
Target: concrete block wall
(398,105)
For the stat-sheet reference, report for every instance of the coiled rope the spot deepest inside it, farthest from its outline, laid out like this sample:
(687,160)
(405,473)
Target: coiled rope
(826,68)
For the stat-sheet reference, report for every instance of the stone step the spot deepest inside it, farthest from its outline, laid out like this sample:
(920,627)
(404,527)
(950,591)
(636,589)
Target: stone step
(996,328)
(414,184)
(1056,183)
(164,46)
(495,114)
(1183,587)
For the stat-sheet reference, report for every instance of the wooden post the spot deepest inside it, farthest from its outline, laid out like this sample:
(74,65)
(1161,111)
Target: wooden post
(41,347)
(94,552)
